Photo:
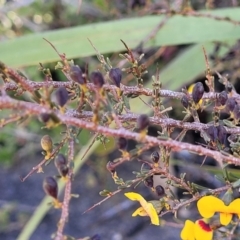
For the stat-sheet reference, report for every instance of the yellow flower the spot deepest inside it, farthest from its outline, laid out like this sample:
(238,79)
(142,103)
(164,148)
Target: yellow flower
(146,209)
(209,205)
(196,231)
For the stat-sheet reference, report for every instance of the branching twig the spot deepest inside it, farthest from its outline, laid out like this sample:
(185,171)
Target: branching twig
(67,194)
(34,109)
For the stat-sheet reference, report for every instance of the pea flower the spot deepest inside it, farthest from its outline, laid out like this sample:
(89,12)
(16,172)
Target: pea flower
(146,209)
(209,205)
(196,231)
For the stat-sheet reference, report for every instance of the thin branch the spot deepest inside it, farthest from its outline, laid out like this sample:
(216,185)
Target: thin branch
(34,109)
(127,90)
(67,193)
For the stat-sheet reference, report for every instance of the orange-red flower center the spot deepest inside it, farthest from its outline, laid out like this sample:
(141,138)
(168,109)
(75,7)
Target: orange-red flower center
(204,226)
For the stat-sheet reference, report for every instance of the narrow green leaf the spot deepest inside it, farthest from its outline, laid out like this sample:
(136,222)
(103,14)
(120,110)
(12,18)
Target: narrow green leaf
(32,49)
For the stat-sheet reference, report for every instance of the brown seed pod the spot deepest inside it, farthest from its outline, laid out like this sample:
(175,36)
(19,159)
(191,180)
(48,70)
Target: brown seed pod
(50,187)
(142,122)
(115,75)
(122,143)
(198,91)
(46,143)
(222,97)
(149,181)
(61,164)
(61,96)
(230,104)
(222,134)
(76,74)
(155,157)
(97,79)
(184,101)
(160,191)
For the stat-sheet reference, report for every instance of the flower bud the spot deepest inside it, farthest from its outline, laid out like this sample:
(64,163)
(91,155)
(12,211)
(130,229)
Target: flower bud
(198,91)
(212,132)
(115,75)
(222,134)
(61,96)
(46,143)
(155,157)
(143,122)
(159,191)
(230,104)
(97,79)
(61,164)
(110,167)
(50,187)
(149,181)
(122,143)
(184,101)
(76,74)
(222,97)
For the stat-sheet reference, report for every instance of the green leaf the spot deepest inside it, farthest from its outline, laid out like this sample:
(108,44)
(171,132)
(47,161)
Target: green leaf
(32,49)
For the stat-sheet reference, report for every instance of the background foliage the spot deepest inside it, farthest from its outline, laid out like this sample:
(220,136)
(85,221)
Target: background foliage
(171,41)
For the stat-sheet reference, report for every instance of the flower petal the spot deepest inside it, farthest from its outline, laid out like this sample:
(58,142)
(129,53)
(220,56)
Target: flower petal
(234,207)
(208,205)
(152,213)
(146,209)
(140,211)
(225,218)
(202,230)
(136,197)
(187,232)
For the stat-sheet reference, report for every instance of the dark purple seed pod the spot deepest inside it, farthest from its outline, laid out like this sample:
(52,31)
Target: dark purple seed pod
(143,122)
(222,134)
(230,104)
(198,91)
(236,112)
(184,101)
(137,3)
(61,96)
(45,117)
(63,170)
(60,160)
(50,187)
(149,181)
(212,132)
(76,74)
(122,143)
(222,97)
(96,237)
(110,167)
(155,157)
(97,79)
(61,164)
(160,191)
(115,75)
